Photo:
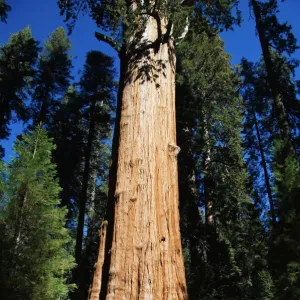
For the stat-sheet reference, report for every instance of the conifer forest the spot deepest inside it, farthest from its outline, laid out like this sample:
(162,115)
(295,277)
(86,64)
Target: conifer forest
(157,164)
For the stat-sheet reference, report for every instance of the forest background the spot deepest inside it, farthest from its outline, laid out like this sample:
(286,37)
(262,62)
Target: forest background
(43,18)
(238,166)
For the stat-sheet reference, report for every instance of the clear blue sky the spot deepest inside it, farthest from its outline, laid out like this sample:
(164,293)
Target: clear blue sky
(43,17)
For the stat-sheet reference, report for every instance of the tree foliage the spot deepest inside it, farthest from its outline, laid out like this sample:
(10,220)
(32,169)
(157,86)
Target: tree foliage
(17,60)
(238,130)
(209,122)
(53,75)
(271,98)
(36,259)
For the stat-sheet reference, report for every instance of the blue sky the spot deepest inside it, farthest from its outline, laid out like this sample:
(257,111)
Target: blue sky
(43,17)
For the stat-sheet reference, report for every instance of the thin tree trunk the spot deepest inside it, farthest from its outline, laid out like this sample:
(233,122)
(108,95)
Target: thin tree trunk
(282,117)
(207,182)
(264,165)
(20,216)
(194,235)
(87,258)
(3,117)
(85,181)
(97,280)
(22,200)
(144,257)
(78,273)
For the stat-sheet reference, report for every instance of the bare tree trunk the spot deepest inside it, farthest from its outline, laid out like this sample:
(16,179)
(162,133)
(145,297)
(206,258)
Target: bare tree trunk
(282,117)
(265,168)
(207,181)
(97,280)
(85,181)
(22,201)
(144,260)
(78,272)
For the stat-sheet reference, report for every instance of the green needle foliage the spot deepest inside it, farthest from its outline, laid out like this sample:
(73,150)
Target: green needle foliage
(271,98)
(227,250)
(285,238)
(17,61)
(238,130)
(81,129)
(53,76)
(68,132)
(258,138)
(36,260)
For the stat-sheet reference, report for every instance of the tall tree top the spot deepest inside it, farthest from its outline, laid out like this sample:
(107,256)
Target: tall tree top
(279,35)
(98,72)
(55,61)
(125,19)
(17,60)
(53,74)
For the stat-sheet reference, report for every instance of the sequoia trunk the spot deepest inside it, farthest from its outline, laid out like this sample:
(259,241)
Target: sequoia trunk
(143,250)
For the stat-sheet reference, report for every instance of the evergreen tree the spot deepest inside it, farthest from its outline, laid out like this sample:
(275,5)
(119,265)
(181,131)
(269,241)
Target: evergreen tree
(53,76)
(285,240)
(257,135)
(36,260)
(17,61)
(282,129)
(273,34)
(68,132)
(142,34)
(228,258)
(96,92)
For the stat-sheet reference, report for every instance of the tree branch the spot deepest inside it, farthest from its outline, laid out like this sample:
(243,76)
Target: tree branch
(107,39)
(187,3)
(154,14)
(185,30)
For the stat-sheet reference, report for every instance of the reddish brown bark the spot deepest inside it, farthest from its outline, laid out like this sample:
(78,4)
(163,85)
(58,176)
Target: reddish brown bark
(145,259)
(97,280)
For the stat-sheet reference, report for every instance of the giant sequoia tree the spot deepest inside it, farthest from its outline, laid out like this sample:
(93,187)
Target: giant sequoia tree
(143,256)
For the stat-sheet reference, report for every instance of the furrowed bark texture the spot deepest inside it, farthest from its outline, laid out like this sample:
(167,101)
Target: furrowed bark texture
(146,260)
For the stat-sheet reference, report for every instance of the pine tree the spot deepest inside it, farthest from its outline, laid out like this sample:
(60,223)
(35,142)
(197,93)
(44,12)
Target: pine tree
(68,132)
(285,241)
(96,92)
(279,36)
(142,34)
(17,61)
(257,136)
(53,76)
(277,73)
(36,262)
